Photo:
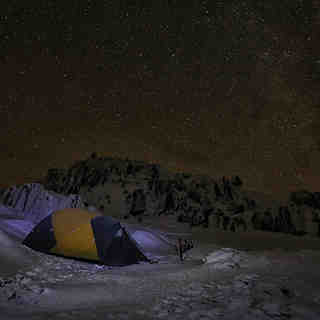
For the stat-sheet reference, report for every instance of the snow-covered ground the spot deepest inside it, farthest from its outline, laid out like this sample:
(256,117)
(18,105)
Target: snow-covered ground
(211,283)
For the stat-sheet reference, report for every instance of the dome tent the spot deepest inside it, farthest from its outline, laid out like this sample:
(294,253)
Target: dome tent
(79,233)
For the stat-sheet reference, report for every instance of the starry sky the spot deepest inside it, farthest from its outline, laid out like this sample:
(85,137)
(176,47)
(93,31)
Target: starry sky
(210,87)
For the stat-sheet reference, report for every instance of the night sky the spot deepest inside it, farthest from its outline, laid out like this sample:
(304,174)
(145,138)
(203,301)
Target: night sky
(212,87)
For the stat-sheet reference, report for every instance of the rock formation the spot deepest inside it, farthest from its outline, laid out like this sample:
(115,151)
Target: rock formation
(124,188)
(35,202)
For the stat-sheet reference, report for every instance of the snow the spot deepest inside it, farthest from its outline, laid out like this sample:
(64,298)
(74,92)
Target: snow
(222,256)
(17,228)
(13,256)
(37,286)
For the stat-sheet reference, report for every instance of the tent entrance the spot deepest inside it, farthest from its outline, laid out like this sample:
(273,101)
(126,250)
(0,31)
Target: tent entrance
(114,245)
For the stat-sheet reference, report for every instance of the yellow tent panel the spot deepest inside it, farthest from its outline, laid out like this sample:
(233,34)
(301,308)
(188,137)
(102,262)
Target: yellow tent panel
(73,233)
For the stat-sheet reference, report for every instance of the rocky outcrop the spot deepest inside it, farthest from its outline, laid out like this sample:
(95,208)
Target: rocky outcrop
(146,189)
(35,202)
(292,219)
(123,188)
(304,197)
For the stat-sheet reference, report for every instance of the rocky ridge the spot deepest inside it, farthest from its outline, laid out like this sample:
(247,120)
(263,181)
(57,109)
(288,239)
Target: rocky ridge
(125,188)
(34,202)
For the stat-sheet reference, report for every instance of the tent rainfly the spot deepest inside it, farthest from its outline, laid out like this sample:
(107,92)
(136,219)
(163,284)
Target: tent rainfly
(79,233)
